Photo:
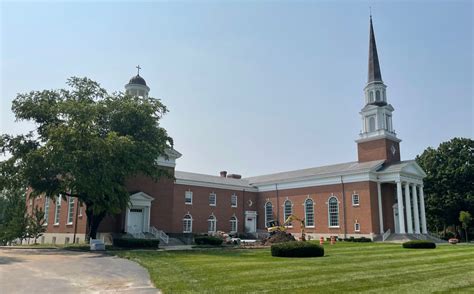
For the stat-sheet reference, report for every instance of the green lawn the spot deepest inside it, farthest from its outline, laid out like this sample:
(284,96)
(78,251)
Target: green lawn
(357,267)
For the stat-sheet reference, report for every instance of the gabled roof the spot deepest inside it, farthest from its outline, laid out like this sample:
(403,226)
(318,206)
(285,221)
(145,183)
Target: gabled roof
(210,179)
(322,171)
(404,167)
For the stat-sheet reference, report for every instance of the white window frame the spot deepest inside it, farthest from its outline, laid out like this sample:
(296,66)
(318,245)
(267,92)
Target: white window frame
(355,196)
(70,210)
(268,217)
(212,224)
(233,200)
(57,211)
(285,214)
(336,212)
(306,212)
(188,195)
(46,211)
(80,210)
(356,227)
(212,196)
(188,223)
(234,222)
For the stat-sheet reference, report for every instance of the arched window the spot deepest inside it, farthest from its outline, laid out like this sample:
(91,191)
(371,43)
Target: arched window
(233,224)
(377,95)
(268,213)
(288,210)
(371,96)
(372,124)
(333,212)
(187,223)
(309,213)
(211,224)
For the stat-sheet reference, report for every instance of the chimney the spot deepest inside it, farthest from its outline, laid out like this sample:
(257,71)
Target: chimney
(234,176)
(223,173)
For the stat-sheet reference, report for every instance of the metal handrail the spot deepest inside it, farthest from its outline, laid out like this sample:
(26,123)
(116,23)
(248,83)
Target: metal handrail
(159,234)
(385,235)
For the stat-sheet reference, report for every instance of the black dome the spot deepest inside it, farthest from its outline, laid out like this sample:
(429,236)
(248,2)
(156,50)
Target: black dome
(137,80)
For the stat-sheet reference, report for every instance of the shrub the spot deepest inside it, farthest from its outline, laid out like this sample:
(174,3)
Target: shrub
(297,249)
(419,244)
(361,239)
(207,240)
(136,243)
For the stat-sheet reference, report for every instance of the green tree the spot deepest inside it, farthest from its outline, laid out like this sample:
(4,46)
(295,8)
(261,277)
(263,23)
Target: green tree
(85,144)
(449,185)
(36,228)
(465,218)
(13,217)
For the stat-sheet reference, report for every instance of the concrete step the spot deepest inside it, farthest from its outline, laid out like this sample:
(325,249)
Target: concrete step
(172,242)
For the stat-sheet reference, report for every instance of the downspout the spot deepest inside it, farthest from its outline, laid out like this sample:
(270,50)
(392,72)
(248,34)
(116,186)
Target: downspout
(75,221)
(243,211)
(344,208)
(278,204)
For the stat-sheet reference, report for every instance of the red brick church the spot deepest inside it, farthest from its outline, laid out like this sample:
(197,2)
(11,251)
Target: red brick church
(375,196)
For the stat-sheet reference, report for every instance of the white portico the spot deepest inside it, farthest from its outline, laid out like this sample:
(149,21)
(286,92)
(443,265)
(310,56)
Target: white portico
(137,215)
(409,210)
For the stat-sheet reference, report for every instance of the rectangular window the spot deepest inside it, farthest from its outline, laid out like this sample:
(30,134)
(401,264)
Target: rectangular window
(66,240)
(355,200)
(357,227)
(188,197)
(212,199)
(80,211)
(233,200)
(70,210)
(46,210)
(57,210)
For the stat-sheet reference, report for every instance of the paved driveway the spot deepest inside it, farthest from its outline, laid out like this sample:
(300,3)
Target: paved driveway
(60,271)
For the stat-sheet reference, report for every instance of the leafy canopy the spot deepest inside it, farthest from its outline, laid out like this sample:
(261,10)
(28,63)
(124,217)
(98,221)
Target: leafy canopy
(449,185)
(85,144)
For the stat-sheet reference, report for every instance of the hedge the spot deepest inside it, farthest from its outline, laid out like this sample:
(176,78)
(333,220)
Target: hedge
(208,240)
(419,244)
(136,243)
(361,239)
(297,249)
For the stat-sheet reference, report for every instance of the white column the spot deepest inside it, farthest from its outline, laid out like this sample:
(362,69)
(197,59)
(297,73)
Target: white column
(401,214)
(415,209)
(379,195)
(408,208)
(422,210)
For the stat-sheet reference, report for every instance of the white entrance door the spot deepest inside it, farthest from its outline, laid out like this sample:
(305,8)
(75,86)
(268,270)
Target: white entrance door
(396,221)
(251,223)
(136,220)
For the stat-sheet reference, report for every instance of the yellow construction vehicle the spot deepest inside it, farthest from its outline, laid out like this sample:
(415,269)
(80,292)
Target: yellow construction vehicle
(274,226)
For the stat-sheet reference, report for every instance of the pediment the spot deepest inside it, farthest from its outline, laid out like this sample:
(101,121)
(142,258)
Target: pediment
(141,196)
(414,169)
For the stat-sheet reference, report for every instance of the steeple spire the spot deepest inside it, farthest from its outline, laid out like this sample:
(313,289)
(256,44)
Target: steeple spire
(374,67)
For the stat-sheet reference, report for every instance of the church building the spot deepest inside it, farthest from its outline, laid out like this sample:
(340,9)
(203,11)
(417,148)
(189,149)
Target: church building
(375,196)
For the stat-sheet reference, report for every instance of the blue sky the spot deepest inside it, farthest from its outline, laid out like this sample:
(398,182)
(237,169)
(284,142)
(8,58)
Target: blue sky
(254,87)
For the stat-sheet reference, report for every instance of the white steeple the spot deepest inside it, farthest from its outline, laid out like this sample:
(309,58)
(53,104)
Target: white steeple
(377,113)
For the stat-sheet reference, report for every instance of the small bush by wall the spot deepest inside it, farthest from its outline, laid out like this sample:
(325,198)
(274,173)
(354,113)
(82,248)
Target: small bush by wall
(361,239)
(136,243)
(419,244)
(297,249)
(207,240)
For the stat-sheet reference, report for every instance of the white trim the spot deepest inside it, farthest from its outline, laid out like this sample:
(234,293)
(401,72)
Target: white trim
(216,186)
(191,223)
(306,213)
(358,199)
(215,199)
(236,200)
(57,211)
(188,193)
(329,213)
(265,212)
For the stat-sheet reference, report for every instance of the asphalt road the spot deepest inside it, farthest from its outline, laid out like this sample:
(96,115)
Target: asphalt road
(59,271)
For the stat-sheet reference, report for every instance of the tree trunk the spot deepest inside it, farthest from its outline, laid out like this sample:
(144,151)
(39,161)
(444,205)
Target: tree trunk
(93,222)
(467,239)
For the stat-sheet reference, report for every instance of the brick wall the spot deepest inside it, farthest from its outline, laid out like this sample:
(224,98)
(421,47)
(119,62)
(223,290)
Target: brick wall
(366,213)
(378,150)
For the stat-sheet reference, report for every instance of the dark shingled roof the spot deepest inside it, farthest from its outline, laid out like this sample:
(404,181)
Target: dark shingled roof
(374,67)
(137,80)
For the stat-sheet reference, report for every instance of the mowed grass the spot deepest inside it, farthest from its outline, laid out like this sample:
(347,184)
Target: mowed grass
(376,268)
